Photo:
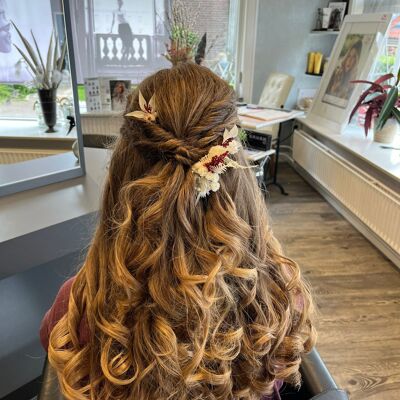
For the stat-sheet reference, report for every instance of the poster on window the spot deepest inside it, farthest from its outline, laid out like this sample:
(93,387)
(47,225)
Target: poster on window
(353,54)
(35,16)
(119,90)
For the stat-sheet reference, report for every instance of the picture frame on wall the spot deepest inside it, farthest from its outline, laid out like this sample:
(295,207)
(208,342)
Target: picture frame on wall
(352,58)
(337,14)
(119,90)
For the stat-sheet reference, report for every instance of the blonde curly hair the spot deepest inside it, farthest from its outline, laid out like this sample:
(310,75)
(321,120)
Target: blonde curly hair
(182,300)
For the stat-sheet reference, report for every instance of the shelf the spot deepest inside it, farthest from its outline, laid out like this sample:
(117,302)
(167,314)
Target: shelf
(318,75)
(323,33)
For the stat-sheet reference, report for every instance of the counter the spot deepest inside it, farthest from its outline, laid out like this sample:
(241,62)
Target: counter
(43,239)
(50,221)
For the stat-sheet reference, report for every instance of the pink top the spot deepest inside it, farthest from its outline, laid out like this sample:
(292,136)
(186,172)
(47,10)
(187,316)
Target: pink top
(60,308)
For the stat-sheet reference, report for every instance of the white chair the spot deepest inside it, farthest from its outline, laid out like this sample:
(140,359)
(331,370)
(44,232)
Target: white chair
(275,93)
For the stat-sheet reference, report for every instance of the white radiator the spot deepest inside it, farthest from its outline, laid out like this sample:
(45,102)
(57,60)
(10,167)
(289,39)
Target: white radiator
(107,123)
(376,205)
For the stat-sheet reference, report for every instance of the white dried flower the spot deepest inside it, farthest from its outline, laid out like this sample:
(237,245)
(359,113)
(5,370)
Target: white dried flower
(56,77)
(212,165)
(148,110)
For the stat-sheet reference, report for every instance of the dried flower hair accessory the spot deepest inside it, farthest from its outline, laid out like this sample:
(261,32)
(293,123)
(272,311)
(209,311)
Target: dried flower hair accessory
(212,165)
(148,110)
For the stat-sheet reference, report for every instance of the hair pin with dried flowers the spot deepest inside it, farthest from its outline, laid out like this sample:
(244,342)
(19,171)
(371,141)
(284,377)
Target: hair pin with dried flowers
(148,110)
(212,165)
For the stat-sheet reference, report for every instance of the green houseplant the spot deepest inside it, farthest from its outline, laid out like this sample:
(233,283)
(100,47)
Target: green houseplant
(47,75)
(382,103)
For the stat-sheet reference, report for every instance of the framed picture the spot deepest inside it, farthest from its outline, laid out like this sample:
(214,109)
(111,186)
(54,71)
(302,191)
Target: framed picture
(337,14)
(353,56)
(119,90)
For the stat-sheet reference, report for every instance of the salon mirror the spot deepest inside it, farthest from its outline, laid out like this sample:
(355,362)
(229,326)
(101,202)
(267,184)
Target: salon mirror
(40,135)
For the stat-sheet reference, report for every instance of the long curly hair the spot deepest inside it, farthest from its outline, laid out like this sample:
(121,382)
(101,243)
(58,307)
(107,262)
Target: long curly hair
(183,299)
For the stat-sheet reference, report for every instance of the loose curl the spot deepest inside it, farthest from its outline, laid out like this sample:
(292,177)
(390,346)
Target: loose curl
(182,300)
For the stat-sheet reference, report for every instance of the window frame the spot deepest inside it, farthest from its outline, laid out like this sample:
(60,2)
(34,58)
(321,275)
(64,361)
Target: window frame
(246,48)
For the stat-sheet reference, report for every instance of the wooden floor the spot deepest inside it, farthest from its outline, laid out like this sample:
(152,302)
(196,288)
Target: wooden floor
(357,290)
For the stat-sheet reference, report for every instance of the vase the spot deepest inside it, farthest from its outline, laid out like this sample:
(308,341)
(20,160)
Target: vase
(48,103)
(388,132)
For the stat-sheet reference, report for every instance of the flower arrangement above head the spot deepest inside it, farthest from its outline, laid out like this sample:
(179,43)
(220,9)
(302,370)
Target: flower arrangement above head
(182,33)
(381,101)
(45,75)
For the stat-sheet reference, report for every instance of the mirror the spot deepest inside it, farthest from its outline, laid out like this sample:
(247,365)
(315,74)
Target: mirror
(40,134)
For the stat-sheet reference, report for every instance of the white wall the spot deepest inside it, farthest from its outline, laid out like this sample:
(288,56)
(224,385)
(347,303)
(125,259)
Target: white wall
(283,41)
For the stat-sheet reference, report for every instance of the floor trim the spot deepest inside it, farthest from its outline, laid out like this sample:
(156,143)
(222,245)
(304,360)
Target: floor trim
(353,219)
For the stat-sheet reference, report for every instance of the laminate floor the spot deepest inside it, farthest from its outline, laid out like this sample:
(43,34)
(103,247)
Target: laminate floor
(356,288)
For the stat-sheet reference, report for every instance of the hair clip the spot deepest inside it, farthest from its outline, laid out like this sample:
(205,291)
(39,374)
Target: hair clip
(148,112)
(216,162)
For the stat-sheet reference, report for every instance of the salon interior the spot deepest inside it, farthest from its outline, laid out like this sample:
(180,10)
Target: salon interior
(324,148)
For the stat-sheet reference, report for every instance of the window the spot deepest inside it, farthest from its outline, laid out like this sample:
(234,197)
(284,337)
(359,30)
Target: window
(388,60)
(126,39)
(18,97)
(389,57)
(374,6)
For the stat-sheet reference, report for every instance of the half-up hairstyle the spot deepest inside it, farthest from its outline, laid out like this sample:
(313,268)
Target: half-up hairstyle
(183,299)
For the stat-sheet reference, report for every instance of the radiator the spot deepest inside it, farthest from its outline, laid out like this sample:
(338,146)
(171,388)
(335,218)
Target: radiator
(12,156)
(107,123)
(375,204)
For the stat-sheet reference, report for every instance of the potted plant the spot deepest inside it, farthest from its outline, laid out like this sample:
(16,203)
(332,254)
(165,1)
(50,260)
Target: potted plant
(46,76)
(381,101)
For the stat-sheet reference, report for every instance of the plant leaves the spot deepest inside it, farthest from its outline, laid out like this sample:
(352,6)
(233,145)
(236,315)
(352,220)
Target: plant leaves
(28,61)
(396,114)
(63,52)
(387,107)
(374,97)
(368,120)
(48,63)
(384,78)
(360,102)
(398,77)
(55,56)
(374,85)
(28,47)
(37,49)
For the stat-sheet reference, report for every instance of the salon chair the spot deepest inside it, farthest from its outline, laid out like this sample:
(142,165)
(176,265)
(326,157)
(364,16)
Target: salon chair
(275,93)
(276,90)
(318,384)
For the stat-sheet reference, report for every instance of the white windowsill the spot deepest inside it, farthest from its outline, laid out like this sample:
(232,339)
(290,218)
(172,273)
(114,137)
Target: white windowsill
(29,128)
(354,140)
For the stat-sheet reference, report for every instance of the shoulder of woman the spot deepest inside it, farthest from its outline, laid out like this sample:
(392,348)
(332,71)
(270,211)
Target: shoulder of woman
(63,294)
(56,311)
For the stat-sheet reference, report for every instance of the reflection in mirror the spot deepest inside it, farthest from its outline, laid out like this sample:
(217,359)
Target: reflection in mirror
(40,140)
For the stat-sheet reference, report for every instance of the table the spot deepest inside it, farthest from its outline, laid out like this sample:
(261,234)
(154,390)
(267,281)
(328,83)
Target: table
(291,115)
(257,155)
